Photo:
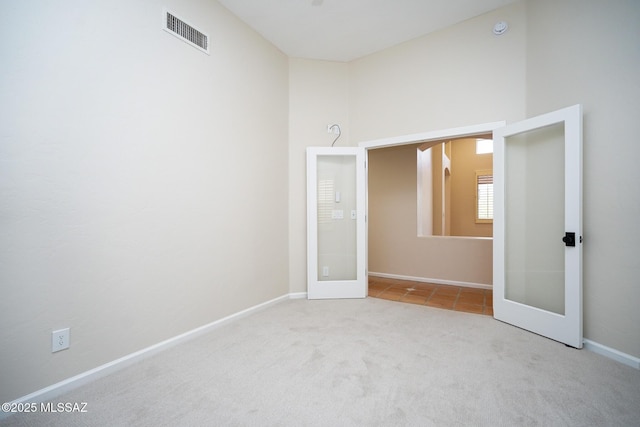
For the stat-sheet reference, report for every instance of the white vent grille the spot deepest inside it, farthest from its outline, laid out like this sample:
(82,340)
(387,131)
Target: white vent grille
(185,32)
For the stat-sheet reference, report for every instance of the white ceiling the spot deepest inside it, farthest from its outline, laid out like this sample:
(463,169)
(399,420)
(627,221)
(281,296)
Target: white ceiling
(343,30)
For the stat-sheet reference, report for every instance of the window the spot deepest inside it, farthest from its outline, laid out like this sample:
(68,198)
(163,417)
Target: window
(484,146)
(484,196)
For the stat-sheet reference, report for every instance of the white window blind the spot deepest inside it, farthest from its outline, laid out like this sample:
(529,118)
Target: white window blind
(325,200)
(484,184)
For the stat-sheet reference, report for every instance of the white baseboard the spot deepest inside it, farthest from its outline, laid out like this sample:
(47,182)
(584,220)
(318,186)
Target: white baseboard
(298,295)
(612,353)
(428,280)
(55,390)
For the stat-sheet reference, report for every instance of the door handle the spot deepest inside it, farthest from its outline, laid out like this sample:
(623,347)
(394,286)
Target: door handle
(569,239)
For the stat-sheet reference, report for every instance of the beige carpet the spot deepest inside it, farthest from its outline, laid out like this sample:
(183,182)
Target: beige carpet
(364,362)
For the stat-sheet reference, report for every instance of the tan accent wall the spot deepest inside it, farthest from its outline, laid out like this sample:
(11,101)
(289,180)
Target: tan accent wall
(464,164)
(458,183)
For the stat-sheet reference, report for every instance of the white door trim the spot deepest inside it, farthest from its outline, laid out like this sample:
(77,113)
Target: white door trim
(453,133)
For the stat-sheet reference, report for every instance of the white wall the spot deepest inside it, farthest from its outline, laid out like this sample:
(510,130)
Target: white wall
(594,59)
(142,183)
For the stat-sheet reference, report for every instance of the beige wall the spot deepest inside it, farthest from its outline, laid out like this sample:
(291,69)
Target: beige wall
(142,183)
(460,76)
(595,60)
(464,164)
(318,96)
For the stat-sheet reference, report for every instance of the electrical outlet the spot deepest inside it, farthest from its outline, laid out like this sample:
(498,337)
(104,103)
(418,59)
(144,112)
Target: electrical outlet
(59,340)
(325,271)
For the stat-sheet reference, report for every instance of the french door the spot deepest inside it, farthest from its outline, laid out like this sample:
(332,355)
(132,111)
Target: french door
(537,243)
(537,228)
(336,251)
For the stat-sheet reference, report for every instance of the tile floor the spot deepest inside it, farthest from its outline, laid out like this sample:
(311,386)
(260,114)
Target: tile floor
(470,300)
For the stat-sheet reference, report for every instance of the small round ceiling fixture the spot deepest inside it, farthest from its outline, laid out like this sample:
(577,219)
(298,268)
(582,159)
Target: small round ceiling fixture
(500,28)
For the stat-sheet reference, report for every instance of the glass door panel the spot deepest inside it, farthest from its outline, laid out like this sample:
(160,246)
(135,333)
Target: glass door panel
(534,218)
(337,231)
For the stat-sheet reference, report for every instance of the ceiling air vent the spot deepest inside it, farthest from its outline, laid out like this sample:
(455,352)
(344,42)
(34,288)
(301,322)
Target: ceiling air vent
(185,32)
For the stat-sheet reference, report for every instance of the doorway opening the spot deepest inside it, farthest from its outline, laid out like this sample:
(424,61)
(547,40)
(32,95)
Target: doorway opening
(398,246)
(448,297)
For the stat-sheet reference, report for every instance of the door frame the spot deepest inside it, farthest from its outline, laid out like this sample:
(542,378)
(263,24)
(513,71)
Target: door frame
(349,289)
(453,133)
(478,130)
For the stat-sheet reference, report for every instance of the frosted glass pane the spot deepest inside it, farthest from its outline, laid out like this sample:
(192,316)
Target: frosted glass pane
(337,230)
(534,218)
